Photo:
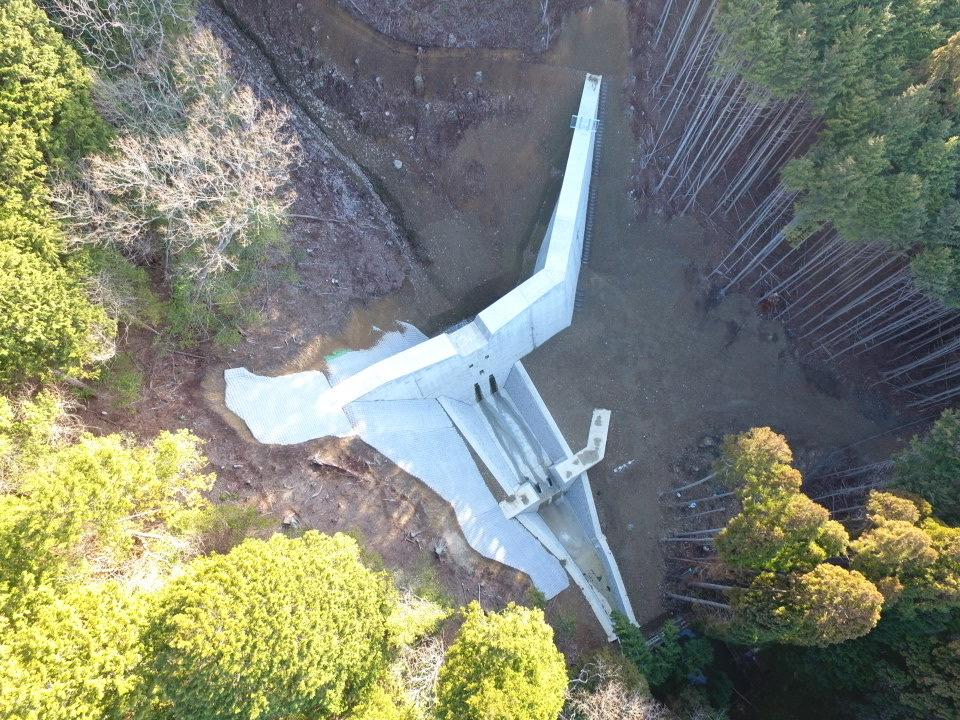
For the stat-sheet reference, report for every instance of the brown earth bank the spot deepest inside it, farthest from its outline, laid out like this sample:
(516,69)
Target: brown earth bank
(423,188)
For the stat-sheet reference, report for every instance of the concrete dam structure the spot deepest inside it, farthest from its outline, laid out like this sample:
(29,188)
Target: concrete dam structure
(427,402)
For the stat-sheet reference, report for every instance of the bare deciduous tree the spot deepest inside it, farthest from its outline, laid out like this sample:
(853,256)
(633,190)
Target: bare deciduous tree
(600,693)
(200,175)
(417,670)
(119,35)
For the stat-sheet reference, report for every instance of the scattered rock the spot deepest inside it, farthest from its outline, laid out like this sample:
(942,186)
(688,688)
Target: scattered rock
(478,77)
(291,521)
(398,164)
(418,84)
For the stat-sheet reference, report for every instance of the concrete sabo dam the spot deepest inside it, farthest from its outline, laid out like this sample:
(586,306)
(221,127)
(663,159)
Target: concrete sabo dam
(422,401)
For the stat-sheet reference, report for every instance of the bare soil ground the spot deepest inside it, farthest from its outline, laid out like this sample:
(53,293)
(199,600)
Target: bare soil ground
(433,195)
(523,24)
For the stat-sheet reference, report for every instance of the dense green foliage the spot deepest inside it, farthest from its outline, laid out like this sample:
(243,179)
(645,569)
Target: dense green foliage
(44,104)
(903,559)
(273,628)
(778,546)
(931,466)
(904,669)
(108,611)
(99,505)
(47,121)
(752,456)
(74,513)
(503,666)
(779,529)
(77,512)
(669,662)
(103,503)
(29,429)
(69,653)
(883,78)
(909,662)
(821,607)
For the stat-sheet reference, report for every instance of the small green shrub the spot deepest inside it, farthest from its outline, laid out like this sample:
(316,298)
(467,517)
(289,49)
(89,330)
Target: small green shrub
(229,523)
(122,379)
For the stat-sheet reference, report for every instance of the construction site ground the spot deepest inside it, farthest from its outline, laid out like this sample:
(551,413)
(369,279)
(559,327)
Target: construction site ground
(457,176)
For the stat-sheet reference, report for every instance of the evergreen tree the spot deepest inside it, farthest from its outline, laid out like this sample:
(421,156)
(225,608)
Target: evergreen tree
(893,547)
(824,606)
(70,653)
(272,629)
(668,664)
(755,456)
(882,77)
(47,322)
(102,504)
(503,666)
(46,122)
(779,529)
(781,534)
(931,466)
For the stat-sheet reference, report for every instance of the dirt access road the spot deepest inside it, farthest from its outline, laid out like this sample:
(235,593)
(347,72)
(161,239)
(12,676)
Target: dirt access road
(469,161)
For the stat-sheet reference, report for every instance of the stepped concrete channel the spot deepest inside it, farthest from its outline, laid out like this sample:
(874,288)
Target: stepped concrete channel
(427,402)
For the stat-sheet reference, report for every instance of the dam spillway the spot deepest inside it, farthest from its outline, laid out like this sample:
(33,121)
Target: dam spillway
(426,402)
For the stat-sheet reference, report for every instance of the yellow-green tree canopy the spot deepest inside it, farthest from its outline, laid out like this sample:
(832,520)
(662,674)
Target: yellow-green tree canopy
(46,121)
(102,504)
(503,666)
(779,529)
(783,534)
(271,629)
(758,456)
(74,513)
(824,606)
(893,545)
(69,654)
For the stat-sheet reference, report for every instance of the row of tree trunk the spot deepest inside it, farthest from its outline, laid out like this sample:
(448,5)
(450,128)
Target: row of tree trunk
(723,142)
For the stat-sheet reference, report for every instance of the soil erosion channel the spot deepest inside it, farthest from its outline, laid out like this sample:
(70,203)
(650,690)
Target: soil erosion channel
(676,372)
